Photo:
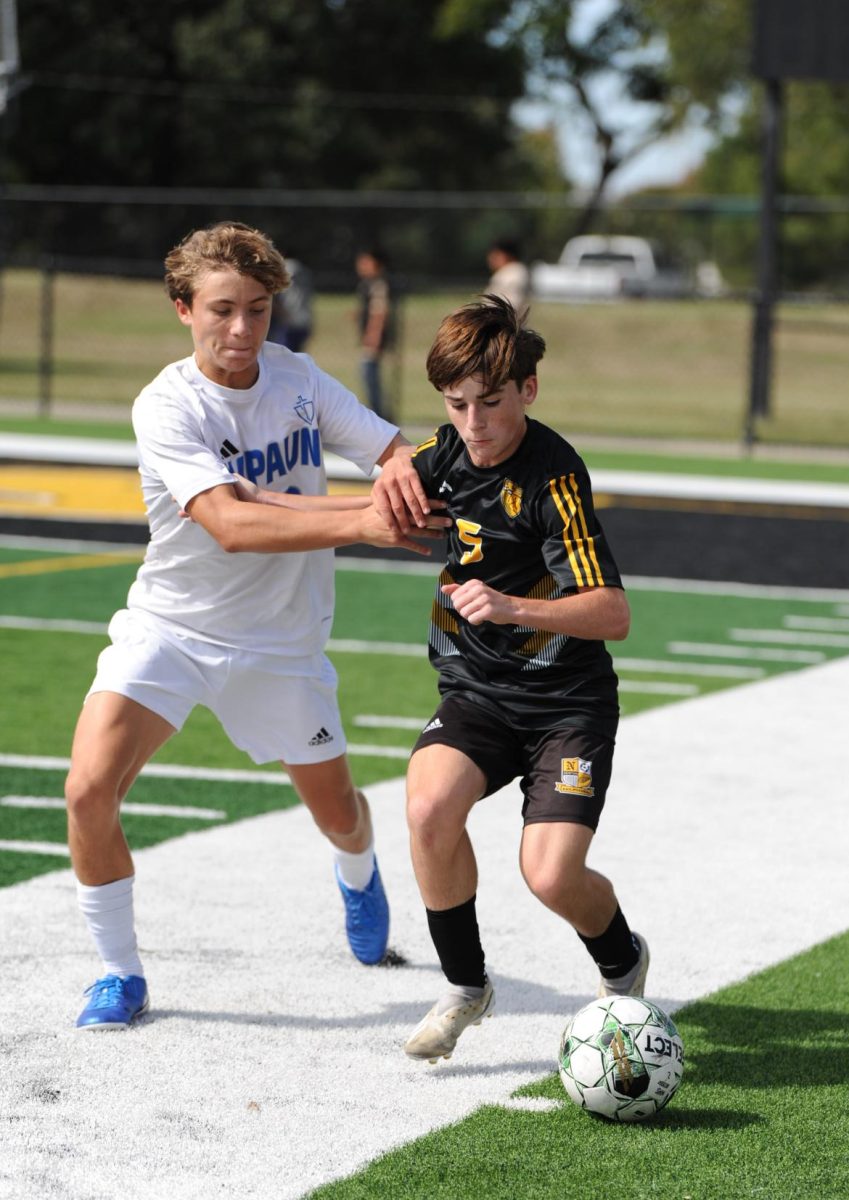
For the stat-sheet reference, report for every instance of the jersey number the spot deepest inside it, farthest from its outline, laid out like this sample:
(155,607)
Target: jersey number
(467,532)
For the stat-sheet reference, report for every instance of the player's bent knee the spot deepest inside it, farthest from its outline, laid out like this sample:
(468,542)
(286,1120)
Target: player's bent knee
(552,889)
(89,799)
(344,817)
(434,821)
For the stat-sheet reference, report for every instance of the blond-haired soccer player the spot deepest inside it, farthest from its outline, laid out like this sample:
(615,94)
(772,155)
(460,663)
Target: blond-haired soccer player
(232,608)
(528,596)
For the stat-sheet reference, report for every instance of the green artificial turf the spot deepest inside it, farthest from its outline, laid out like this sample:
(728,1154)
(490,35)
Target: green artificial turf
(761,1112)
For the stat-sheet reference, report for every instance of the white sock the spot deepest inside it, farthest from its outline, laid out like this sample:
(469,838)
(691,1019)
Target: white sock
(355,870)
(108,912)
(458,995)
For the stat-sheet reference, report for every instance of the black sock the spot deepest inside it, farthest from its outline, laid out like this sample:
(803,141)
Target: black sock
(615,951)
(455,935)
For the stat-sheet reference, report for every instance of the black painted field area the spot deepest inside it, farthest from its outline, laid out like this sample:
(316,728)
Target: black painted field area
(802,547)
(805,549)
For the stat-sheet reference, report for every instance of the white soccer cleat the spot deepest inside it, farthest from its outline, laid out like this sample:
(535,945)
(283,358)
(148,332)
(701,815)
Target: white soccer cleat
(638,984)
(436,1034)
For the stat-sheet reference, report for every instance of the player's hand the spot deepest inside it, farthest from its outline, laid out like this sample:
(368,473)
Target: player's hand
(376,531)
(400,498)
(476,602)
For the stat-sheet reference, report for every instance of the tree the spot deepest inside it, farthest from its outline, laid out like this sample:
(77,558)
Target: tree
(610,72)
(709,56)
(350,94)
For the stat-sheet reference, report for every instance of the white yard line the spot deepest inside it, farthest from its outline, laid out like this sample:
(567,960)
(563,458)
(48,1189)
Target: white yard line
(791,637)
(830,624)
(667,666)
(53,625)
(765,654)
(650,688)
(375,721)
(155,770)
(271,1061)
(59,849)
(129,806)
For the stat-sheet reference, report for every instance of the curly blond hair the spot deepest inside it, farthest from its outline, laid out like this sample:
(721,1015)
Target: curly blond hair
(227,245)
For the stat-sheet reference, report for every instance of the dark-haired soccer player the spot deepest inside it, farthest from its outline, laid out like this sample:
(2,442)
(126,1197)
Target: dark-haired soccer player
(528,596)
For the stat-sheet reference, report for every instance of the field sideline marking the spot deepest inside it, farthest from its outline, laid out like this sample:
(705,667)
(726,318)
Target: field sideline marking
(36,762)
(663,666)
(647,583)
(764,653)
(135,807)
(40,762)
(47,566)
(419,650)
(791,637)
(16,847)
(834,624)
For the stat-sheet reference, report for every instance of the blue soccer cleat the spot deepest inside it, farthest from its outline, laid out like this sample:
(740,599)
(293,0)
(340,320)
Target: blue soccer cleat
(114,1002)
(366,918)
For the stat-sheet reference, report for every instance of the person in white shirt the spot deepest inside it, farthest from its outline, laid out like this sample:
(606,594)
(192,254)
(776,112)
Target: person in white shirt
(232,607)
(510,278)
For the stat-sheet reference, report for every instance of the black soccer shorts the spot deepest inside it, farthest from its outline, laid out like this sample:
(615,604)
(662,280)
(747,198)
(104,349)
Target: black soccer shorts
(564,773)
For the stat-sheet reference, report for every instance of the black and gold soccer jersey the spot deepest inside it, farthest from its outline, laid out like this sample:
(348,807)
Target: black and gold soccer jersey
(526,527)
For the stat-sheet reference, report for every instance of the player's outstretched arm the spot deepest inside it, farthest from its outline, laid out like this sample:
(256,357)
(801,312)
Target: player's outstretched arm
(594,614)
(266,528)
(246,490)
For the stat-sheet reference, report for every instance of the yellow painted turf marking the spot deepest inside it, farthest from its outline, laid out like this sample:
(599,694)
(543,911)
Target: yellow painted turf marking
(77,562)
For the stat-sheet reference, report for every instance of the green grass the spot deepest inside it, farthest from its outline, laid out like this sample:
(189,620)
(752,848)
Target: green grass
(761,1112)
(48,672)
(636,369)
(23,824)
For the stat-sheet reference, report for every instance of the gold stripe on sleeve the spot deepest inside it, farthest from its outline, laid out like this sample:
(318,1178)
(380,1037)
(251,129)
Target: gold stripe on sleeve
(428,445)
(565,506)
(586,540)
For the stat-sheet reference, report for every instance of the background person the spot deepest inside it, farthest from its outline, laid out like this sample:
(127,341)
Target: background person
(375,322)
(529,593)
(509,276)
(292,309)
(231,609)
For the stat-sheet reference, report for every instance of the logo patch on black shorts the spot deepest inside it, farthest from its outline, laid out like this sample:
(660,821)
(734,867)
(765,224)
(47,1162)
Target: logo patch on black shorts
(576,777)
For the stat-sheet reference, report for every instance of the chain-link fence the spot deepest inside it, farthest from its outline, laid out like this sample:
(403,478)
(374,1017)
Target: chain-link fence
(84,323)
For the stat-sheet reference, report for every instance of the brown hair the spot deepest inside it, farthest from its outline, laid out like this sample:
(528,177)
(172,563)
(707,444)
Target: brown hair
(225,245)
(485,338)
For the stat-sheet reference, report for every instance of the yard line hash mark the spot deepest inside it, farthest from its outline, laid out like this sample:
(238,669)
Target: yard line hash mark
(135,807)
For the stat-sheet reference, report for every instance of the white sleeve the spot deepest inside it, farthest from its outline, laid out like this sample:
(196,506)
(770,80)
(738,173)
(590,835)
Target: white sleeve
(171,447)
(348,428)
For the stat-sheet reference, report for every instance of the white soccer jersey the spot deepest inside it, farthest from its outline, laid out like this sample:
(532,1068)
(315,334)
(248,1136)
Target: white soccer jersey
(193,434)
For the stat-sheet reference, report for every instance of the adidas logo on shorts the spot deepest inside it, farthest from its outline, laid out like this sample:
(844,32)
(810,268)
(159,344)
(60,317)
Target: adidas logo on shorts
(321,738)
(435,724)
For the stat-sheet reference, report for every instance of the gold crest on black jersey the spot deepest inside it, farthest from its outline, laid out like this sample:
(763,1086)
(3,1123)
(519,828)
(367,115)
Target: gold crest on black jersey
(511,498)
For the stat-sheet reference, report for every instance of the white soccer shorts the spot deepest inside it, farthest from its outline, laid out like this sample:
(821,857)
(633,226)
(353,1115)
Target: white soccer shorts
(272,707)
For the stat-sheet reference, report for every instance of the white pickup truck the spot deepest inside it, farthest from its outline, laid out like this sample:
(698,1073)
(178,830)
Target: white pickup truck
(594,267)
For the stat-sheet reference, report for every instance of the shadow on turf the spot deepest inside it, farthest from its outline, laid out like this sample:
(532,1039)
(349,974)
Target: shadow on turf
(753,1047)
(702,1118)
(522,998)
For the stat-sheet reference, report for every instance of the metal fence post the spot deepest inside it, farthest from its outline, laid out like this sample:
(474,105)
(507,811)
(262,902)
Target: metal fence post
(45,360)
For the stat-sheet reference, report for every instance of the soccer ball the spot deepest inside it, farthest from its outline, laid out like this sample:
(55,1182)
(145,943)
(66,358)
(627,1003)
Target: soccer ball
(621,1057)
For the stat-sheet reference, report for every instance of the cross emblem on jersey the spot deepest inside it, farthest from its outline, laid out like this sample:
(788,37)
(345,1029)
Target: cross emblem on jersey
(305,409)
